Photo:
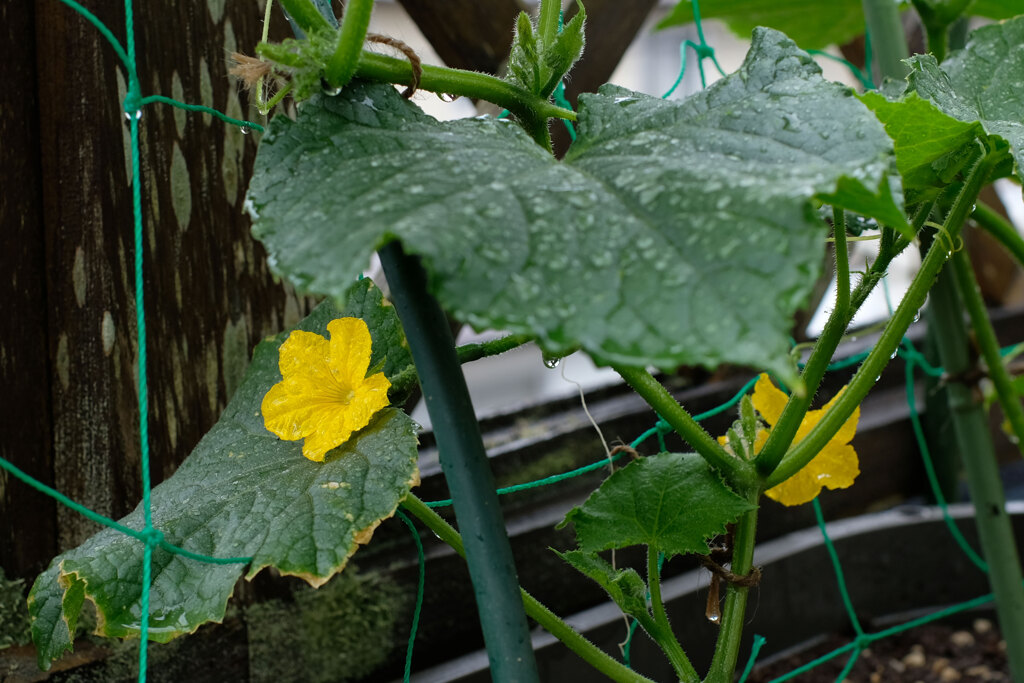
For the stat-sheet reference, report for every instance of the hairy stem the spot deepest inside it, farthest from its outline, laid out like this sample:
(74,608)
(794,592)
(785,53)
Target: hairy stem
(1000,228)
(662,630)
(594,655)
(781,436)
(985,336)
(723,665)
(872,367)
(738,473)
(342,65)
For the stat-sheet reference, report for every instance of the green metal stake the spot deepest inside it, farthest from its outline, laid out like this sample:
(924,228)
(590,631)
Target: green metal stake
(465,465)
(975,443)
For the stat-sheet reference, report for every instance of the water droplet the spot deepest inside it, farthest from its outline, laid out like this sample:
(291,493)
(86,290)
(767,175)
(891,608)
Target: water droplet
(328,89)
(129,115)
(714,618)
(246,129)
(447,97)
(551,362)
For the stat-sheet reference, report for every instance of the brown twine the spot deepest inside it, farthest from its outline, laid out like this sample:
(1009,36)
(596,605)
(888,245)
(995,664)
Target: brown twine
(621,448)
(743,581)
(410,54)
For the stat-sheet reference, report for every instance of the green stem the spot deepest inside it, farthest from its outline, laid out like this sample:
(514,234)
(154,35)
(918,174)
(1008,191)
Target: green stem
(974,442)
(986,339)
(594,655)
(341,67)
(305,15)
(1000,228)
(872,367)
(532,110)
(466,468)
(470,352)
(723,665)
(662,629)
(784,431)
(738,473)
(887,38)
(842,262)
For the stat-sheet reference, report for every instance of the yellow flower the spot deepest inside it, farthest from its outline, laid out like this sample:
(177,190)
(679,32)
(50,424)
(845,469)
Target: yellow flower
(835,466)
(325,395)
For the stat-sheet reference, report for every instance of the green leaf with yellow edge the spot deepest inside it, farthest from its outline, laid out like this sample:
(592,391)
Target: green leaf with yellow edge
(672,502)
(813,25)
(672,232)
(624,586)
(241,493)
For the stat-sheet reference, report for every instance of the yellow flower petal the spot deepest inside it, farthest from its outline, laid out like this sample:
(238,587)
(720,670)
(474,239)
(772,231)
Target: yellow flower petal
(324,395)
(836,465)
(768,400)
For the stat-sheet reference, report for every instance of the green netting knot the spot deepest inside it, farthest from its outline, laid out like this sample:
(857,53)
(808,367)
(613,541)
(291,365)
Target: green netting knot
(133,103)
(662,426)
(152,537)
(703,51)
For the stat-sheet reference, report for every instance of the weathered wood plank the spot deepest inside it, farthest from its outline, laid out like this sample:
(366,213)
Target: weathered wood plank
(27,518)
(209,295)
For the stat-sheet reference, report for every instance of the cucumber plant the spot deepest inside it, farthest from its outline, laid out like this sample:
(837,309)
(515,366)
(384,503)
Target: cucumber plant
(672,232)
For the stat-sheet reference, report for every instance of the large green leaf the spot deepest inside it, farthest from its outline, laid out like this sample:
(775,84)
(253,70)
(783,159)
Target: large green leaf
(241,493)
(813,25)
(672,502)
(672,233)
(981,83)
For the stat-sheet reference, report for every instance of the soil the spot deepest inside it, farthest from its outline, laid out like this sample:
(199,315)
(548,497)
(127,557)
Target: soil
(933,653)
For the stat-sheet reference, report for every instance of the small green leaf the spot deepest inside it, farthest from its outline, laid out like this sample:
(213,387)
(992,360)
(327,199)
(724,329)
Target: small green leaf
(981,83)
(241,493)
(563,53)
(624,586)
(524,59)
(672,502)
(813,25)
(931,148)
(672,233)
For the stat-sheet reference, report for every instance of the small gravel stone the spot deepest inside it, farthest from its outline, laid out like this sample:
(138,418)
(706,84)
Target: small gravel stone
(962,639)
(915,658)
(897,666)
(982,626)
(939,664)
(949,674)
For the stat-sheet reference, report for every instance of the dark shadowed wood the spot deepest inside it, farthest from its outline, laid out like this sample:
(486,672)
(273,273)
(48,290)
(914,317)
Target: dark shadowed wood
(209,295)
(467,34)
(611,27)
(27,518)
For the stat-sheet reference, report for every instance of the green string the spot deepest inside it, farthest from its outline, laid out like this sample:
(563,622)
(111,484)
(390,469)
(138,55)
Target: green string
(241,123)
(838,568)
(420,588)
(700,48)
(755,649)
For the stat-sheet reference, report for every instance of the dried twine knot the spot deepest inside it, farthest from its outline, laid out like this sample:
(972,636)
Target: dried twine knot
(410,54)
(741,580)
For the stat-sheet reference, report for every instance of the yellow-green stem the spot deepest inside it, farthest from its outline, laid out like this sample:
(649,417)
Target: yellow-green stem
(738,473)
(723,665)
(985,336)
(662,629)
(342,65)
(872,367)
